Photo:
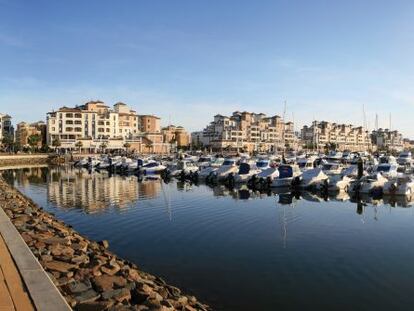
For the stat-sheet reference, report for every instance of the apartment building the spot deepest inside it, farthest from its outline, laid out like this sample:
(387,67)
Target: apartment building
(385,139)
(25,132)
(95,126)
(6,127)
(176,135)
(92,122)
(323,134)
(149,124)
(247,131)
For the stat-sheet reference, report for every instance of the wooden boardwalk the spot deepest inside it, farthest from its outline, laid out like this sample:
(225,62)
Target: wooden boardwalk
(13,293)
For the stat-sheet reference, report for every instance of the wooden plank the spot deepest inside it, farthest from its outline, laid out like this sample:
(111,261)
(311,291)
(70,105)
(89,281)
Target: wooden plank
(1,275)
(13,280)
(5,299)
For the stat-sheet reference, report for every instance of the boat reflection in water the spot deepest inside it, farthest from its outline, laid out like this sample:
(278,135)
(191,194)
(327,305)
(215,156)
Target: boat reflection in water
(69,187)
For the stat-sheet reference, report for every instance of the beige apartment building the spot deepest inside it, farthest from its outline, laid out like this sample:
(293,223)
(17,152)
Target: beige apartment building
(24,131)
(149,124)
(384,139)
(247,131)
(321,135)
(176,135)
(94,127)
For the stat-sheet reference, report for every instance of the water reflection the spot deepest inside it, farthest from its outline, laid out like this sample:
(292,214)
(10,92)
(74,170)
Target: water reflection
(69,187)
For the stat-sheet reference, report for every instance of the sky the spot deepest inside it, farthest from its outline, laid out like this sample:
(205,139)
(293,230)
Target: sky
(186,61)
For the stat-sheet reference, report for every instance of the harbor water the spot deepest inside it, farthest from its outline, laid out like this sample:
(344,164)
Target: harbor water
(236,249)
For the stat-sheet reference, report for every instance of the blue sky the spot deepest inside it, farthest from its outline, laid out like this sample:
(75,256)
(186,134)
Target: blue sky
(188,60)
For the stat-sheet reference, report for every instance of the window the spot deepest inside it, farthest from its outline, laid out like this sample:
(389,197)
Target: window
(69,115)
(69,122)
(69,129)
(78,129)
(78,122)
(78,115)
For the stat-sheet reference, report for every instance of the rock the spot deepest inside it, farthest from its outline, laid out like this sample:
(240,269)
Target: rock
(104,243)
(110,270)
(119,295)
(88,296)
(59,250)
(107,282)
(81,259)
(59,266)
(79,287)
(94,306)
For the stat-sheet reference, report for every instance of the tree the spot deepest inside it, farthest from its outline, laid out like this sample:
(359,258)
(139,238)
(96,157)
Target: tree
(148,146)
(79,145)
(56,143)
(104,145)
(126,146)
(33,140)
(8,142)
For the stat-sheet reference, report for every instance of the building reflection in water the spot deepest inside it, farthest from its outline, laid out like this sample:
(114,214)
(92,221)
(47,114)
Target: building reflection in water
(78,188)
(94,191)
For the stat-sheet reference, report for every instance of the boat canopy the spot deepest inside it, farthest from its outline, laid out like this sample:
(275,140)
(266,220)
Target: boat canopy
(285,171)
(244,169)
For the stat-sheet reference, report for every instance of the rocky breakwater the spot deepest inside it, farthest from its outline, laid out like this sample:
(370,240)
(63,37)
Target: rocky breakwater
(87,274)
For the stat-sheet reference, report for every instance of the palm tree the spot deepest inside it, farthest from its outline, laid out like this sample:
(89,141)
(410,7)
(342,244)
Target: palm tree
(33,140)
(79,145)
(148,146)
(104,145)
(126,146)
(56,142)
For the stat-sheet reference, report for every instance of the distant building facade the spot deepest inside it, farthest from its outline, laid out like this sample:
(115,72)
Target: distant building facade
(6,127)
(95,126)
(384,139)
(176,135)
(30,135)
(323,134)
(247,131)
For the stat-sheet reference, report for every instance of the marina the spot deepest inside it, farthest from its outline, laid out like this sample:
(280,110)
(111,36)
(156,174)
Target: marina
(226,244)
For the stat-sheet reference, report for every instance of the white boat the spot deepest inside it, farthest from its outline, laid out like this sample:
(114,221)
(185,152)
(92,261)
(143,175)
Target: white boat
(268,174)
(387,169)
(306,163)
(263,164)
(152,167)
(184,166)
(342,182)
(370,184)
(313,178)
(229,166)
(401,185)
(246,171)
(405,158)
(287,173)
(332,168)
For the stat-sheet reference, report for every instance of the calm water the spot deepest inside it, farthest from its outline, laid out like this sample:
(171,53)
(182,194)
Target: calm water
(238,250)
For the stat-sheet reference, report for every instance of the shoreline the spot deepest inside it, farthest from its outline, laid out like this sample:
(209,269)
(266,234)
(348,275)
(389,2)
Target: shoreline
(87,274)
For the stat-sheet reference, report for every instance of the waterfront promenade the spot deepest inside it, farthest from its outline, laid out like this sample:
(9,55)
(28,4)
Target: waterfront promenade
(13,293)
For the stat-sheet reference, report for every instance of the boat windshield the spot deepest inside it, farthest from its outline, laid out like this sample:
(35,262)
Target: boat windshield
(228,162)
(152,164)
(203,160)
(285,171)
(384,168)
(262,164)
(244,168)
(302,164)
(329,167)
